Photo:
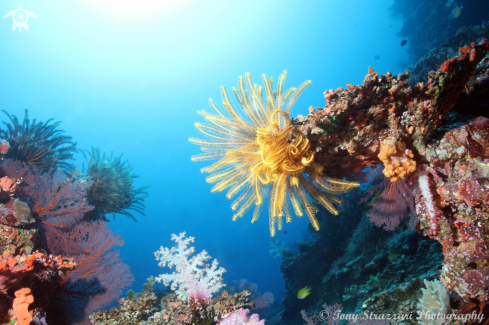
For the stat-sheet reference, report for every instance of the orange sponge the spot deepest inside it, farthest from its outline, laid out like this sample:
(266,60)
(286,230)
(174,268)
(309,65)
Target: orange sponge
(23,298)
(398,162)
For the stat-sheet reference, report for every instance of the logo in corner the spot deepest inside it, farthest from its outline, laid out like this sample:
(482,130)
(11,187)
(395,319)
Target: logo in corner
(324,314)
(20,17)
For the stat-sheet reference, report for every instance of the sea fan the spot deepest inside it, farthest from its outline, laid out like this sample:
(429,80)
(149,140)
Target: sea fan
(260,157)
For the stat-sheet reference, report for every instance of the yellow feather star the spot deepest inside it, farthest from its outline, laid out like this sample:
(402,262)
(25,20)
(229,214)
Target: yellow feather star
(259,157)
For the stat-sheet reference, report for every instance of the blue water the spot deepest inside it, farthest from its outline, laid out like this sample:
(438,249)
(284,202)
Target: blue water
(130,79)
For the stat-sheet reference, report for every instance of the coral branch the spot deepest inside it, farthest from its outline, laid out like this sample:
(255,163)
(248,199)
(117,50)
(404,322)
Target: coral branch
(194,281)
(358,119)
(57,200)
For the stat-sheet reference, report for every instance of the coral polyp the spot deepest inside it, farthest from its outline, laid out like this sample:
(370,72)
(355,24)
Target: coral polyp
(398,161)
(261,158)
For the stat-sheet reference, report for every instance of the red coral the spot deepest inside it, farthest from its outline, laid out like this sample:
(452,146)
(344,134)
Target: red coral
(13,269)
(99,278)
(57,200)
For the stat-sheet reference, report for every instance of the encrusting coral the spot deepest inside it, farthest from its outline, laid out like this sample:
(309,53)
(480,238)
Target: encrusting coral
(34,247)
(445,166)
(260,156)
(132,310)
(349,130)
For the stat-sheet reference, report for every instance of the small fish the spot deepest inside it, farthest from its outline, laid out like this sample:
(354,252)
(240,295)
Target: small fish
(457,11)
(392,256)
(304,292)
(404,42)
(284,231)
(376,196)
(377,57)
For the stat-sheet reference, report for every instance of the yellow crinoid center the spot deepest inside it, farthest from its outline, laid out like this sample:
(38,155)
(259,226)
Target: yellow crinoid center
(280,154)
(398,161)
(260,158)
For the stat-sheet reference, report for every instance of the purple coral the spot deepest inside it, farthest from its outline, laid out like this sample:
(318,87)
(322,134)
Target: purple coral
(57,199)
(390,209)
(240,317)
(194,281)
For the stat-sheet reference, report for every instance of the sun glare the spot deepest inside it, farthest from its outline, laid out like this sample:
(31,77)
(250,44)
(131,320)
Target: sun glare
(135,9)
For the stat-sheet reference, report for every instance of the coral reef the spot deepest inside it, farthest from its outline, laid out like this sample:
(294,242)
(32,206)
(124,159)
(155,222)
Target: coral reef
(418,72)
(428,23)
(452,206)
(356,121)
(261,157)
(262,301)
(363,278)
(176,312)
(68,266)
(16,241)
(15,270)
(384,121)
(194,283)
(420,150)
(131,310)
(112,190)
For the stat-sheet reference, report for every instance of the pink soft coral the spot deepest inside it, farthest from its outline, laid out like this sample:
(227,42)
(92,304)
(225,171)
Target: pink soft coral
(194,281)
(4,147)
(240,317)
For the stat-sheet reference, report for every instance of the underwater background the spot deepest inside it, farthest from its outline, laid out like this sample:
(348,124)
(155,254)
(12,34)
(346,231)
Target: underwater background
(128,77)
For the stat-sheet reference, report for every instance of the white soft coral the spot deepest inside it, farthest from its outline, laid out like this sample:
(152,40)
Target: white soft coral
(193,280)
(434,305)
